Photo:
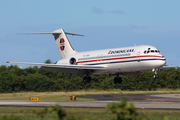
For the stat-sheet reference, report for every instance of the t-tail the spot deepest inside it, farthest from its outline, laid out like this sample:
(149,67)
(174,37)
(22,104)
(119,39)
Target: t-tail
(62,41)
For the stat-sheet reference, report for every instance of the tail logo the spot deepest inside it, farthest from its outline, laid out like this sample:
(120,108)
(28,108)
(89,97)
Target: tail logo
(62,45)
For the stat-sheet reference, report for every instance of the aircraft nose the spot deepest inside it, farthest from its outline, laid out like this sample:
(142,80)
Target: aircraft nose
(160,62)
(163,62)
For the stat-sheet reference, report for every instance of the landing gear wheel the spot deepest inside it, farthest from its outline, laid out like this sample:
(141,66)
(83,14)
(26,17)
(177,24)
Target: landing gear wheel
(117,80)
(120,80)
(87,79)
(156,76)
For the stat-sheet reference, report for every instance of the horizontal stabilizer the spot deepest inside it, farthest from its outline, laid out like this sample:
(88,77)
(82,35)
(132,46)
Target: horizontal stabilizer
(165,67)
(53,33)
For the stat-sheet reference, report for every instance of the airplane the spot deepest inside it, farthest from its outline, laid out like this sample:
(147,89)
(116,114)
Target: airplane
(116,61)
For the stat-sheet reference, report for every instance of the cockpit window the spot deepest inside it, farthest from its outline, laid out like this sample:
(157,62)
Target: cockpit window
(151,51)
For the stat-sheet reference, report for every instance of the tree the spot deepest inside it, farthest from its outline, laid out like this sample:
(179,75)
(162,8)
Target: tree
(48,61)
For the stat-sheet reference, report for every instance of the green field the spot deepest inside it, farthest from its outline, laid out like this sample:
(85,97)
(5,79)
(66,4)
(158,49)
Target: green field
(85,113)
(31,113)
(65,96)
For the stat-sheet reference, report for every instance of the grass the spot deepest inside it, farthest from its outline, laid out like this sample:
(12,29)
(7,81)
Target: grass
(65,96)
(77,113)
(159,114)
(86,113)
(81,113)
(43,96)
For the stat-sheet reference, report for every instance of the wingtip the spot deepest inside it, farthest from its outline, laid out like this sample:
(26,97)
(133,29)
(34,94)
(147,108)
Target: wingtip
(6,62)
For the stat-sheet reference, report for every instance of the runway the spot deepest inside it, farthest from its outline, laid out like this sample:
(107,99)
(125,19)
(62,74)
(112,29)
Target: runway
(171,98)
(140,101)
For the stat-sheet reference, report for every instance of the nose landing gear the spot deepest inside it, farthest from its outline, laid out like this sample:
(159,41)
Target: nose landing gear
(155,75)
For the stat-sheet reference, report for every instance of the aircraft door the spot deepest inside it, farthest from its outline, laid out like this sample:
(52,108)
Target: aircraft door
(100,57)
(138,56)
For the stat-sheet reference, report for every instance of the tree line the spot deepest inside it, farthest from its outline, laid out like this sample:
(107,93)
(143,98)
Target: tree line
(15,79)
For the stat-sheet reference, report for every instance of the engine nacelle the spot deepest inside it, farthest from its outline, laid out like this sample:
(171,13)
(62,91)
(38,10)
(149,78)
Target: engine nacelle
(72,61)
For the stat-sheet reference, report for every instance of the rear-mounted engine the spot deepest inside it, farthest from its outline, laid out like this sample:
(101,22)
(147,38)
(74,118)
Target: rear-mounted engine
(72,61)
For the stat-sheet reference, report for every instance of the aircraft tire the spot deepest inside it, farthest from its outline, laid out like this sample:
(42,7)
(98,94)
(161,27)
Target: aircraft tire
(89,79)
(155,76)
(115,80)
(120,80)
(85,79)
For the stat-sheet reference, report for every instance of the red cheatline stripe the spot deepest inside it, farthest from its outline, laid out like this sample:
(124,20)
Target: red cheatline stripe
(121,58)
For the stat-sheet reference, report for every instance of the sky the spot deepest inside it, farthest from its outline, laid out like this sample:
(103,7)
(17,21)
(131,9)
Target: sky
(105,24)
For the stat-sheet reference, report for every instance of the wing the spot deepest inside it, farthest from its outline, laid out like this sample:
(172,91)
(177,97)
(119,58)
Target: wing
(75,69)
(165,67)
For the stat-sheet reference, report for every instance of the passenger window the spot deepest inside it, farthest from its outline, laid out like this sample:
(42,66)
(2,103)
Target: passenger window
(156,51)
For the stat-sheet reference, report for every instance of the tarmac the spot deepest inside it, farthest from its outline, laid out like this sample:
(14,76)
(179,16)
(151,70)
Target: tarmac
(140,101)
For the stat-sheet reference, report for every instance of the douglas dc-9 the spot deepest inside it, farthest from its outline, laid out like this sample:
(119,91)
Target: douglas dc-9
(114,61)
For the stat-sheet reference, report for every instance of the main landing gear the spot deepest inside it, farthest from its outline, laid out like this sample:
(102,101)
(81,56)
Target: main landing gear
(87,79)
(117,80)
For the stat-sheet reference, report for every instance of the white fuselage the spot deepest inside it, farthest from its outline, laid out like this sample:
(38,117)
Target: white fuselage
(120,60)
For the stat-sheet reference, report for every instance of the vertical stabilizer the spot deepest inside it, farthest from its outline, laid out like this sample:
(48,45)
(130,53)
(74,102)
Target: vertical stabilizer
(63,43)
